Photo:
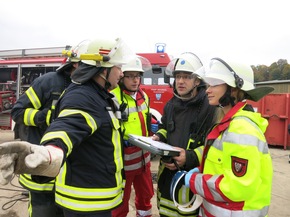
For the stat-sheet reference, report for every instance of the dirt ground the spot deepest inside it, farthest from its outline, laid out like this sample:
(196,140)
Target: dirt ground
(13,201)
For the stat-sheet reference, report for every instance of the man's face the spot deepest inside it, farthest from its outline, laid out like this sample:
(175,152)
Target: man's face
(132,80)
(184,83)
(115,75)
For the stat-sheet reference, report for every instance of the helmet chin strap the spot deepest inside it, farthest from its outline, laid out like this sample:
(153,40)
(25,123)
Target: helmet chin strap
(187,96)
(107,83)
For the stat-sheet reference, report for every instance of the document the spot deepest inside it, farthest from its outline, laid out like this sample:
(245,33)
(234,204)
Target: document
(153,146)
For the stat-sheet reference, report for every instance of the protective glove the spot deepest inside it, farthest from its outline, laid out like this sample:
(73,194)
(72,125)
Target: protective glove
(7,168)
(154,127)
(188,176)
(23,157)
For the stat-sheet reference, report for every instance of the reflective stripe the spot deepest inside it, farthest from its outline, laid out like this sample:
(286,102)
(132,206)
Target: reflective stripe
(244,139)
(134,155)
(86,199)
(167,207)
(26,181)
(116,140)
(140,108)
(198,184)
(199,151)
(213,190)
(115,120)
(88,193)
(90,121)
(211,183)
(48,117)
(88,205)
(33,98)
(262,145)
(213,209)
(247,140)
(143,213)
(137,165)
(61,135)
(29,115)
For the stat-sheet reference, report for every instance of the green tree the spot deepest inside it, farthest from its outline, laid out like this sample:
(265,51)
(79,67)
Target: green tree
(285,75)
(279,70)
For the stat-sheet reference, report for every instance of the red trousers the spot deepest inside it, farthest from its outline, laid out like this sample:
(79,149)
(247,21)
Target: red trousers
(142,183)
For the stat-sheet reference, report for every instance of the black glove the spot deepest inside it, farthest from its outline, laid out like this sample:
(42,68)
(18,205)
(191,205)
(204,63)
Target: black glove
(41,118)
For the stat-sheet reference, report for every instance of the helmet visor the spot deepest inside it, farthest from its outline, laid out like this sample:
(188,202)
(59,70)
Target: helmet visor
(146,65)
(213,81)
(120,53)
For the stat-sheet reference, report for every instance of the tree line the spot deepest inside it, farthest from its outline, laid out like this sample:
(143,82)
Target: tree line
(279,70)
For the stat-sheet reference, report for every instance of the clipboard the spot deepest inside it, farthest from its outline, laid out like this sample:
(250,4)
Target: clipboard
(155,147)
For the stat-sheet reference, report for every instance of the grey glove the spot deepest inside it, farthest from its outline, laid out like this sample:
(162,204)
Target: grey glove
(23,157)
(7,168)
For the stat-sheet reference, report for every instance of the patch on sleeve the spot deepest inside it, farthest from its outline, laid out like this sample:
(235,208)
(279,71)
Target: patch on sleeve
(239,166)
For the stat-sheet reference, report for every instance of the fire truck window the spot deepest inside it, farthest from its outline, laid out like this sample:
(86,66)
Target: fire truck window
(161,81)
(147,81)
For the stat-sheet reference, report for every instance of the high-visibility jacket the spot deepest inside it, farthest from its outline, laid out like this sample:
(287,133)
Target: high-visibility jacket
(136,160)
(87,130)
(237,171)
(137,112)
(184,124)
(34,109)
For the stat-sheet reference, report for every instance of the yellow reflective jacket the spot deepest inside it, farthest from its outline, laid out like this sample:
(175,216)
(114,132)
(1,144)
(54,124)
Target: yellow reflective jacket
(137,113)
(237,169)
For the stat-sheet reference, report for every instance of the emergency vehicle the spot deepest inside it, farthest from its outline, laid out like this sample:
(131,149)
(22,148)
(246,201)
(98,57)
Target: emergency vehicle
(18,69)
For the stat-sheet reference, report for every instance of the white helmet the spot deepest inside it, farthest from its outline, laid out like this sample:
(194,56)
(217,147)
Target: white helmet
(107,53)
(73,54)
(193,204)
(137,64)
(234,74)
(186,62)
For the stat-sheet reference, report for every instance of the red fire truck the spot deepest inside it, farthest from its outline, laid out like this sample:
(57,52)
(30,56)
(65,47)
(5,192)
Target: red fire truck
(18,68)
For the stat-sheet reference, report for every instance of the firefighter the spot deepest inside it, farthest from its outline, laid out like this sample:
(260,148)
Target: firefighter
(186,119)
(235,177)
(33,109)
(134,104)
(82,146)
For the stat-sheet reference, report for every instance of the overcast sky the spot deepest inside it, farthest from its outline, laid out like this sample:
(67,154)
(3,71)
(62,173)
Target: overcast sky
(252,31)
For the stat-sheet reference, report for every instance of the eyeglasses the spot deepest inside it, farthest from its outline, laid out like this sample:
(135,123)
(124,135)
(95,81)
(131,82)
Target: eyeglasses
(184,77)
(132,77)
